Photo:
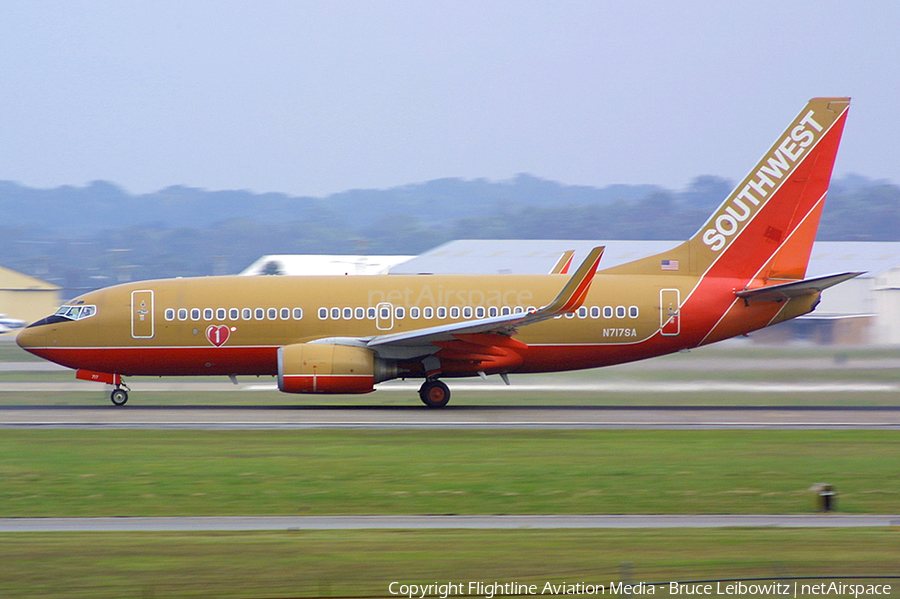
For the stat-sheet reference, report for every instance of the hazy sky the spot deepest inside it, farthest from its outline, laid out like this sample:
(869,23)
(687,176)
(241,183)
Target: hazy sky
(310,98)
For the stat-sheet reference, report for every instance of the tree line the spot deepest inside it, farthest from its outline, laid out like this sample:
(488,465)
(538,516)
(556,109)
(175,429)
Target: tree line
(394,222)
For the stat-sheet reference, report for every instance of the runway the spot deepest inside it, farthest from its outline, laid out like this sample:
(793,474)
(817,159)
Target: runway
(297,523)
(105,416)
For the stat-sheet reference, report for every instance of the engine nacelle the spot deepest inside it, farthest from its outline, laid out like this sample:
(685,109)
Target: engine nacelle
(325,368)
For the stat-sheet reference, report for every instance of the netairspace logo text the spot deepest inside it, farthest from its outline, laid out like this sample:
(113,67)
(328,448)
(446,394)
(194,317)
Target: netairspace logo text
(490,590)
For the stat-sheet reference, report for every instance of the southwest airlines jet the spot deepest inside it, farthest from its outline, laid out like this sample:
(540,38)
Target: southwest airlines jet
(742,271)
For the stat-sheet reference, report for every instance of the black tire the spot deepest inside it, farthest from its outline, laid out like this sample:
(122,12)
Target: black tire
(119,397)
(434,394)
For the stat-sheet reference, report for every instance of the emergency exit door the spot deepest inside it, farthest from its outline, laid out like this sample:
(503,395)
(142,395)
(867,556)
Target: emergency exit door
(384,316)
(670,312)
(142,314)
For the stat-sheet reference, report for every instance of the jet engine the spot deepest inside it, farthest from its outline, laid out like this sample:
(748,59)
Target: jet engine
(327,368)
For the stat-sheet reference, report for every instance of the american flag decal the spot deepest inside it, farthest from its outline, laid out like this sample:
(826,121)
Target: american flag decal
(670,264)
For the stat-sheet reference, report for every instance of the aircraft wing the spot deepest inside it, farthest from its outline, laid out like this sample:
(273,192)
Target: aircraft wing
(784,291)
(569,299)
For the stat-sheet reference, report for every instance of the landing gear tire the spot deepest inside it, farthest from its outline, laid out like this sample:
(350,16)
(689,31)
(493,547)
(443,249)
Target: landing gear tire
(434,394)
(119,397)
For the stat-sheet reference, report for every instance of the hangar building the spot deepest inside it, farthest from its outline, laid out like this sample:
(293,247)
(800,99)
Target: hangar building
(26,298)
(864,310)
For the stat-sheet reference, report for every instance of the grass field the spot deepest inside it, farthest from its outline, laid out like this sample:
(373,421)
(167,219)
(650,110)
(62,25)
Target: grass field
(146,472)
(364,563)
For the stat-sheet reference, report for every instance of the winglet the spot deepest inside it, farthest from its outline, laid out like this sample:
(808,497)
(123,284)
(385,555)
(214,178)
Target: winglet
(572,295)
(563,264)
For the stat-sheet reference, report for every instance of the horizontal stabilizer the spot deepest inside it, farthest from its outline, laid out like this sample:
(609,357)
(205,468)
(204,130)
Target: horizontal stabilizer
(785,291)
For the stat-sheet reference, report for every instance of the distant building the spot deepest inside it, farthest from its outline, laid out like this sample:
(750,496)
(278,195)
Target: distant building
(864,310)
(313,264)
(26,298)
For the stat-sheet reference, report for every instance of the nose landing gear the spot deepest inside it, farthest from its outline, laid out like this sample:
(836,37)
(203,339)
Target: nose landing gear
(119,396)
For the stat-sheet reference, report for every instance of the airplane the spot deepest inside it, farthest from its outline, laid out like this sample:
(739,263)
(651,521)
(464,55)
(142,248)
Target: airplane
(8,323)
(742,271)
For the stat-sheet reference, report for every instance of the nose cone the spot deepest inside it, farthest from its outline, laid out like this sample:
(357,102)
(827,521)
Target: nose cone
(31,337)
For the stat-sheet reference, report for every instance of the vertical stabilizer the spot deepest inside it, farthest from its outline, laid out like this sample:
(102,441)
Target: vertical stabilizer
(766,227)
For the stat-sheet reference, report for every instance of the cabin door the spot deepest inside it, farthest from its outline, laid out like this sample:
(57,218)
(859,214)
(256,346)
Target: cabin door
(142,314)
(670,312)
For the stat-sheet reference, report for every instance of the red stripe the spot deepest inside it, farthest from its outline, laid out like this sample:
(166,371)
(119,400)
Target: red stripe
(328,383)
(167,361)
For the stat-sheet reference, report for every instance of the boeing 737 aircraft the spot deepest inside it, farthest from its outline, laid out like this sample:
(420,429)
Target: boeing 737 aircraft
(742,271)
(8,324)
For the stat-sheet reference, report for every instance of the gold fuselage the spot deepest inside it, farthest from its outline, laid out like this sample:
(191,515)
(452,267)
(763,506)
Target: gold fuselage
(234,325)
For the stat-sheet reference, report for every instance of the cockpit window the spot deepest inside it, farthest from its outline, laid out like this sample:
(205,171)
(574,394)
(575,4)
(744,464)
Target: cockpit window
(76,312)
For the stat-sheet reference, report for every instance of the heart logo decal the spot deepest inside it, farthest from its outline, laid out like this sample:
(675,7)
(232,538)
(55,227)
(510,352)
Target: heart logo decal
(217,335)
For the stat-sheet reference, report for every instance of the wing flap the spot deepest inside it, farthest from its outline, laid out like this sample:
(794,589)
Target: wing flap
(486,351)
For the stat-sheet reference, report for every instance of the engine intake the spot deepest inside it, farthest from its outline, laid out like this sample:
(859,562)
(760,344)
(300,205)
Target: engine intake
(326,368)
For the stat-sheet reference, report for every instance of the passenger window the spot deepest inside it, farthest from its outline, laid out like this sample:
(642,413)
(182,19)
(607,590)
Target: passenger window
(195,313)
(414,312)
(519,309)
(570,315)
(427,312)
(467,312)
(182,313)
(360,313)
(273,314)
(259,313)
(285,314)
(247,314)
(298,313)
(595,312)
(454,312)
(582,312)
(442,312)
(233,314)
(370,313)
(220,314)
(633,312)
(207,314)
(505,311)
(335,314)
(400,311)
(492,311)
(385,313)
(323,313)
(479,312)
(607,312)
(348,313)
(170,314)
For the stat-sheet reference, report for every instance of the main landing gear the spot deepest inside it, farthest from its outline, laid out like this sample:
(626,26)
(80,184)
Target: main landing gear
(434,393)
(119,396)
